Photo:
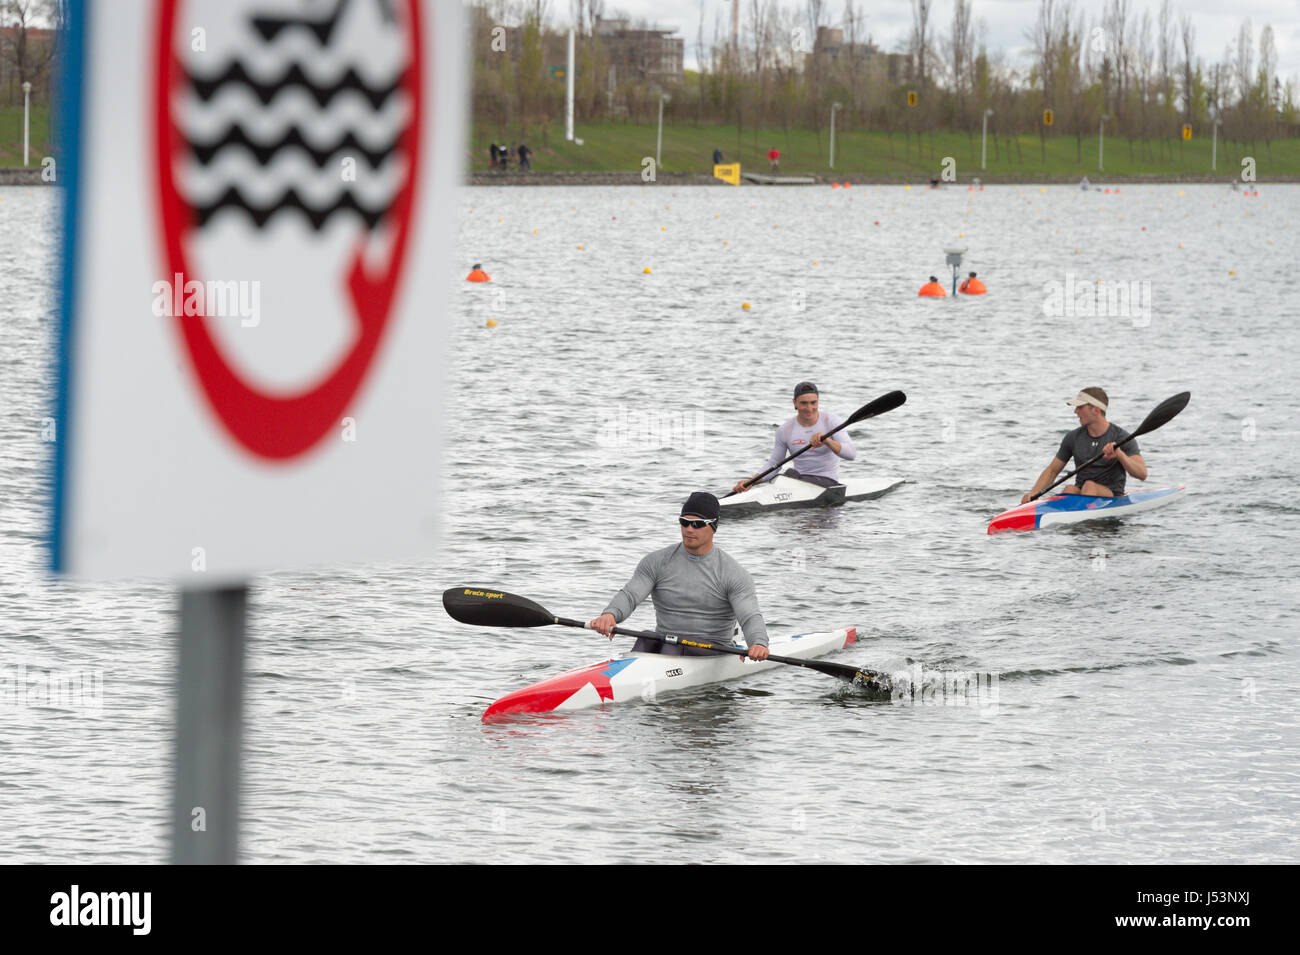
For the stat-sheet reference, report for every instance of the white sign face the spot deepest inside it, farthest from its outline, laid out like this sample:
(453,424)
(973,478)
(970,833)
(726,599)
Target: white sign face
(260,222)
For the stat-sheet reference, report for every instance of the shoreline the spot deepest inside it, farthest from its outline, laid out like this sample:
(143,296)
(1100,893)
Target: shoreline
(31,176)
(608,178)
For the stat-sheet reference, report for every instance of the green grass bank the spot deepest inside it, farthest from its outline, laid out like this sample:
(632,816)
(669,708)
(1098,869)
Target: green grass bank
(621,148)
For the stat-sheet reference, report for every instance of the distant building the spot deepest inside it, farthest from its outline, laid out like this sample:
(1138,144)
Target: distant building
(831,55)
(645,55)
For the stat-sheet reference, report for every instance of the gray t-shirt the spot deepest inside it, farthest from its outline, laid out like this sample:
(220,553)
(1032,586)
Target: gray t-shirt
(694,596)
(1081,446)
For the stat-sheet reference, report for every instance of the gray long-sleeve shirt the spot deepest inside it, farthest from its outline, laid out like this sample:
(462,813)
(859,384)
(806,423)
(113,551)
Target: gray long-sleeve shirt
(694,596)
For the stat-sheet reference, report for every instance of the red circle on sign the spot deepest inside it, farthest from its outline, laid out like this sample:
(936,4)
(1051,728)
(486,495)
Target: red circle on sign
(279,427)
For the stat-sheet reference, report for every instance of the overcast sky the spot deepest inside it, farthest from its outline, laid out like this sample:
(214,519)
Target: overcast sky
(889,21)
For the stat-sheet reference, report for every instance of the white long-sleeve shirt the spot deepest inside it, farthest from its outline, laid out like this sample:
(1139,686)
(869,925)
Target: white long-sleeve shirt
(792,436)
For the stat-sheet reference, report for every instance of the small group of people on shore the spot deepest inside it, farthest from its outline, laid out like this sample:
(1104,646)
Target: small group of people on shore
(700,592)
(499,156)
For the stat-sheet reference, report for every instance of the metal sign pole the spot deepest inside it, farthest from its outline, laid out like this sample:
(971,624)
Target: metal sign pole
(209,727)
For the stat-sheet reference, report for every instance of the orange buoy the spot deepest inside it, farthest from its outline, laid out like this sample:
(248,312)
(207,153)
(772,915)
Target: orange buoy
(932,289)
(972,286)
(835,185)
(477,274)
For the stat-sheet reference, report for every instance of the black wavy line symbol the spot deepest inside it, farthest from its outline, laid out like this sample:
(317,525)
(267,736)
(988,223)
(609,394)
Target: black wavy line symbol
(235,135)
(232,198)
(271,27)
(235,74)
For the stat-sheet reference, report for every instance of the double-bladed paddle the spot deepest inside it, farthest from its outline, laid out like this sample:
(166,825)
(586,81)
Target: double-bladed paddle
(493,608)
(1162,414)
(882,404)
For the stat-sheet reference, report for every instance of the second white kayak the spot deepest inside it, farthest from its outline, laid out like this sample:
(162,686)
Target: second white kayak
(785,492)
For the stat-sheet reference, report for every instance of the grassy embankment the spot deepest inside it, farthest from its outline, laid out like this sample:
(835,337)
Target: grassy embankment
(610,147)
(11,135)
(619,147)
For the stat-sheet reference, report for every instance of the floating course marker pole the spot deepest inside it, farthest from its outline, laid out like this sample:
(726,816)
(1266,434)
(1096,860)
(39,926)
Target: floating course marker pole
(954,259)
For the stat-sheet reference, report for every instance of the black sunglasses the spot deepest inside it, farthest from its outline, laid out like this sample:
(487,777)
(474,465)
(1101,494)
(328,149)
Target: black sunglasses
(695,524)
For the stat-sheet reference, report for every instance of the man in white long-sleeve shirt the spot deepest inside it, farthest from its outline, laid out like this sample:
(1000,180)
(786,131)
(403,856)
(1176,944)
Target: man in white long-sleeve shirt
(821,465)
(698,590)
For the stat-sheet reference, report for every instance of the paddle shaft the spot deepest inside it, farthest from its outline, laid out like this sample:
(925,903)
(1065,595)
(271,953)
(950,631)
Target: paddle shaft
(492,608)
(831,669)
(889,402)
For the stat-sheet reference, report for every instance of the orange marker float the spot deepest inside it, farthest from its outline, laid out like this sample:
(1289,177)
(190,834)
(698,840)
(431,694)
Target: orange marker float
(972,286)
(932,289)
(477,274)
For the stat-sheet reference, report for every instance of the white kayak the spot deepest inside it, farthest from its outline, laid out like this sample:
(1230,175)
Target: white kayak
(1073,508)
(786,492)
(646,676)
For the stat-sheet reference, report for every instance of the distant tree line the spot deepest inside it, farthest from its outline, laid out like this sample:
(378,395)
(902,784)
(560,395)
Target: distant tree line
(788,66)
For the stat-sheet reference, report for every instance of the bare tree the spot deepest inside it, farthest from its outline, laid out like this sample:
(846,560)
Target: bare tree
(1188,33)
(959,47)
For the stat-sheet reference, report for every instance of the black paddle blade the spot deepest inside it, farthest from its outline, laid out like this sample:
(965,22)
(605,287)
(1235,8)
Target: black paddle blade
(882,404)
(1163,413)
(493,608)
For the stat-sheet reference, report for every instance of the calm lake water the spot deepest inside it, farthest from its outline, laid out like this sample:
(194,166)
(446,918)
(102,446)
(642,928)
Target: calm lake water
(1146,671)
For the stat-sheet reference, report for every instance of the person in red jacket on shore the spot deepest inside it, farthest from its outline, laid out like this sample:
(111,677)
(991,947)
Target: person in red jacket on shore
(774,158)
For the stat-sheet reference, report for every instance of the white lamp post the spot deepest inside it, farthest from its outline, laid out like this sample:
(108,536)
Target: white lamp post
(663,97)
(835,107)
(27,114)
(984,138)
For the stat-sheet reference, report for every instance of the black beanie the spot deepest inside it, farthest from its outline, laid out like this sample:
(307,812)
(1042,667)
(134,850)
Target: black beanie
(702,504)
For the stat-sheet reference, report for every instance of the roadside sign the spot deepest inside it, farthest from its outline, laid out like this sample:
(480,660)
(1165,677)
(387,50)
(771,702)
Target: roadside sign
(911,98)
(1187,130)
(256,262)
(1048,117)
(729,172)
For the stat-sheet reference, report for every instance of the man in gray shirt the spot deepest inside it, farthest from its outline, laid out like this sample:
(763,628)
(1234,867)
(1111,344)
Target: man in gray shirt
(1103,478)
(698,591)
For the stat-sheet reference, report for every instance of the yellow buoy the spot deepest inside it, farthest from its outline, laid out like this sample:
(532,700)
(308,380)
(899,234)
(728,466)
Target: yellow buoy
(1231,272)
(646,270)
(579,248)
(491,323)
(745,306)
(534,232)
(663,228)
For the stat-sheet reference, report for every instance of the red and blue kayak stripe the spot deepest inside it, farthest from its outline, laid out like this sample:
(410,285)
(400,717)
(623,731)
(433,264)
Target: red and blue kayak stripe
(1076,507)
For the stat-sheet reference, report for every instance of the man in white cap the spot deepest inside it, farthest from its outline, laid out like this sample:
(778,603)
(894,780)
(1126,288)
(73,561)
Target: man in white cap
(821,465)
(1102,478)
(698,591)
